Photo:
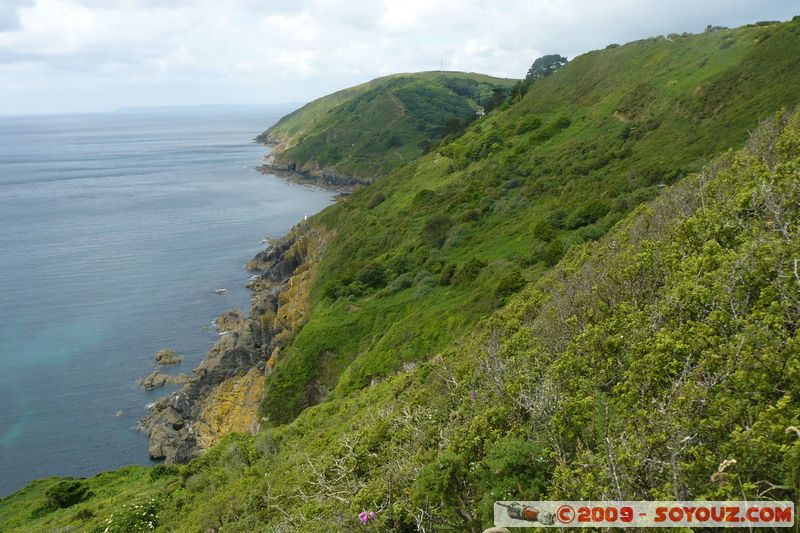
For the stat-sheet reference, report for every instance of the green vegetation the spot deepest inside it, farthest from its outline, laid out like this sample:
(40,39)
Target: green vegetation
(368,130)
(577,298)
(542,67)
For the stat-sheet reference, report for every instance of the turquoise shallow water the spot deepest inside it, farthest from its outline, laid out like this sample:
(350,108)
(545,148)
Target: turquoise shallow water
(115,229)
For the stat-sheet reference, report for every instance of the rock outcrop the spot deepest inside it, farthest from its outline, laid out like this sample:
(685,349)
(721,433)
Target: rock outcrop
(158,379)
(168,357)
(322,177)
(224,392)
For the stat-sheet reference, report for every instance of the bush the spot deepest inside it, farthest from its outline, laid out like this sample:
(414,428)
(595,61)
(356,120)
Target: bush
(446,274)
(510,283)
(424,198)
(376,199)
(530,124)
(626,131)
(63,494)
(372,275)
(66,494)
(84,514)
(402,282)
(435,230)
(513,469)
(544,231)
(160,471)
(587,214)
(439,480)
(551,253)
(468,272)
(394,142)
(557,218)
(471,216)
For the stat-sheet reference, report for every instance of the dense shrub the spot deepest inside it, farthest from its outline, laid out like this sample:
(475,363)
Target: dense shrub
(468,271)
(543,230)
(511,282)
(446,274)
(434,232)
(63,494)
(376,199)
(372,275)
(552,252)
(587,213)
(160,471)
(67,493)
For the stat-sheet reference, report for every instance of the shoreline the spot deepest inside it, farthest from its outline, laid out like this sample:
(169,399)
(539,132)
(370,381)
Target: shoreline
(305,178)
(107,342)
(224,393)
(324,178)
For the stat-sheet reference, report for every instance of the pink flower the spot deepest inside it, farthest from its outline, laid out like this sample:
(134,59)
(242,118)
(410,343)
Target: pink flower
(365,517)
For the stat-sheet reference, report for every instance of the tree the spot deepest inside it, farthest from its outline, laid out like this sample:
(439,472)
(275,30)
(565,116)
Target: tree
(544,66)
(541,68)
(498,96)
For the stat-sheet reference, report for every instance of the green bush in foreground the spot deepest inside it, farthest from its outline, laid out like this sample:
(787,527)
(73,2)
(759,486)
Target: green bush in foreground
(64,494)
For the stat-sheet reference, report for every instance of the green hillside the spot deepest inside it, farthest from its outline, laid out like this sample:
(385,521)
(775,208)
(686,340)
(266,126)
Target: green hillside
(420,256)
(587,295)
(368,130)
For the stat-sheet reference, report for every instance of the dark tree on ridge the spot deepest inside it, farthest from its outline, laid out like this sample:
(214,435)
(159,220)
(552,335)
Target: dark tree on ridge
(544,66)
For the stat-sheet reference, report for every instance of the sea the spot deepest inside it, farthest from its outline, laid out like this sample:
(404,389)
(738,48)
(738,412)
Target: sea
(115,231)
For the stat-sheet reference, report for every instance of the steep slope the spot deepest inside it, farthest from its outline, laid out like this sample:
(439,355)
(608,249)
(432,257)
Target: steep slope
(660,362)
(633,369)
(366,131)
(422,254)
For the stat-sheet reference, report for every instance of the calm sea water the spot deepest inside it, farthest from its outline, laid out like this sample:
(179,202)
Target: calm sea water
(115,229)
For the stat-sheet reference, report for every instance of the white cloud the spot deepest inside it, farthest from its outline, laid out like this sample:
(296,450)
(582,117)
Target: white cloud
(93,54)
(9,13)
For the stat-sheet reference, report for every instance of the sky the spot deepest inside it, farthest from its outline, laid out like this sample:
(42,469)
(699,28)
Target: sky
(71,56)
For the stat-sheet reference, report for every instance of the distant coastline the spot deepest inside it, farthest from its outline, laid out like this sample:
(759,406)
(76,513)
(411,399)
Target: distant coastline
(207,108)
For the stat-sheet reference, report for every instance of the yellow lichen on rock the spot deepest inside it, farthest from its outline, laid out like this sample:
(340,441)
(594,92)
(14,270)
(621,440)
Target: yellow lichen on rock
(293,301)
(232,406)
(226,391)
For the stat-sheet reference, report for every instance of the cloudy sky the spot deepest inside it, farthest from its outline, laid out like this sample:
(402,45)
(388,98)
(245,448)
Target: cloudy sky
(95,55)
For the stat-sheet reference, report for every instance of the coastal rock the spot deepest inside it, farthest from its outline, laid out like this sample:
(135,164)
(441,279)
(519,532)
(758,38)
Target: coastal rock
(171,445)
(158,379)
(231,406)
(168,357)
(324,177)
(225,391)
(229,321)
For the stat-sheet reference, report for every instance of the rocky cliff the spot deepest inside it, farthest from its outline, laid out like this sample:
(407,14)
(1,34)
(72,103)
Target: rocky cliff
(310,173)
(224,393)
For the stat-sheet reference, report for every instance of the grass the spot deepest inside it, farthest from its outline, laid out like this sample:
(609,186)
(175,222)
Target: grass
(368,130)
(657,319)
(571,178)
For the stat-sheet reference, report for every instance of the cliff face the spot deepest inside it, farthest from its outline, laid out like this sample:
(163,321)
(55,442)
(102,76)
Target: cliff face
(225,391)
(232,406)
(310,173)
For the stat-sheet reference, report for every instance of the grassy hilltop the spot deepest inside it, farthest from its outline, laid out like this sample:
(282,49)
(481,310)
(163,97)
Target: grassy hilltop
(591,293)
(370,129)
